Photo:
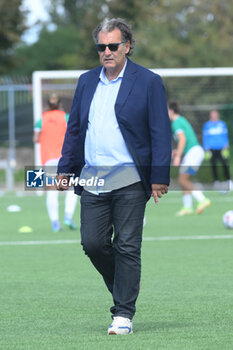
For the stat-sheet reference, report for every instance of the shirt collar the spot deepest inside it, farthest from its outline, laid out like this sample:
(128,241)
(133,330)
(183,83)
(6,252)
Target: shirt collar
(105,80)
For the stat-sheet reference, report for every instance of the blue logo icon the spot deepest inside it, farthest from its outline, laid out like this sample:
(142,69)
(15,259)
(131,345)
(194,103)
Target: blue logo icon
(35,178)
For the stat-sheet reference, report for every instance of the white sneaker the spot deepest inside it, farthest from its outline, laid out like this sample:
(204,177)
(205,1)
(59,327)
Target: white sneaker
(121,326)
(184,211)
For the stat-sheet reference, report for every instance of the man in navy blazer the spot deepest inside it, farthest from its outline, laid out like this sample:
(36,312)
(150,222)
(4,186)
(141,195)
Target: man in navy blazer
(118,130)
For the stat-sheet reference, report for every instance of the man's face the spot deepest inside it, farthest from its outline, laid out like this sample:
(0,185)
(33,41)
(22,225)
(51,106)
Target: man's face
(113,60)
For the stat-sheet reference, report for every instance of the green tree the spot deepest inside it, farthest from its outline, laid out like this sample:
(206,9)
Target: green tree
(169,33)
(70,45)
(11,28)
(180,33)
(54,50)
(84,15)
(134,11)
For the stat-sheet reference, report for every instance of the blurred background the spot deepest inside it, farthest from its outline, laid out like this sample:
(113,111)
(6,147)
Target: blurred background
(56,35)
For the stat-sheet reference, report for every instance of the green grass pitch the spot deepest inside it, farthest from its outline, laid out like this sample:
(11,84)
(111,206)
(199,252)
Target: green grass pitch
(52,298)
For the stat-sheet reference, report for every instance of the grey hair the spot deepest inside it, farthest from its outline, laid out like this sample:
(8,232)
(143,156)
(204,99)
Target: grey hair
(108,25)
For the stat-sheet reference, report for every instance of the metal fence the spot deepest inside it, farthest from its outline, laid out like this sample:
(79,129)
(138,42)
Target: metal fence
(16,122)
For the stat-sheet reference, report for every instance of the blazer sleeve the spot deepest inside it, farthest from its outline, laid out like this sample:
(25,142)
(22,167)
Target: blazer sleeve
(69,162)
(160,132)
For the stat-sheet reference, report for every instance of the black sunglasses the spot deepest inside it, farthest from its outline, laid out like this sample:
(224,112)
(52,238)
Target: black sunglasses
(112,47)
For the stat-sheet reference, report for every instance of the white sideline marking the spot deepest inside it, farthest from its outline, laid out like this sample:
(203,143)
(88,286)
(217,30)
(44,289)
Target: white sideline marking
(187,238)
(65,241)
(213,199)
(146,239)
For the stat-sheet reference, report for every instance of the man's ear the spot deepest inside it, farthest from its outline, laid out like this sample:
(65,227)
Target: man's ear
(127,47)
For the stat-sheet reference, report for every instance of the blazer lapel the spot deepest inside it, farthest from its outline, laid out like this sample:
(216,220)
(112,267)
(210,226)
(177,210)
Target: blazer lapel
(126,85)
(88,94)
(125,88)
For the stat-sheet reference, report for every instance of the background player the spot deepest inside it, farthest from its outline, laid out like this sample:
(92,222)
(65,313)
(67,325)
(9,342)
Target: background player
(189,156)
(216,146)
(49,131)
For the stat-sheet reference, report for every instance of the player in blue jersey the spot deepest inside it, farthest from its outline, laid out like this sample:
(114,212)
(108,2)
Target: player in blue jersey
(216,146)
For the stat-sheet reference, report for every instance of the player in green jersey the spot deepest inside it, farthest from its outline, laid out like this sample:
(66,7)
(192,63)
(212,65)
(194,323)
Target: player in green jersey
(188,156)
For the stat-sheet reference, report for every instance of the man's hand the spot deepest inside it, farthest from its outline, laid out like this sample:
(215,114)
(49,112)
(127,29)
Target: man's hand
(176,160)
(62,182)
(158,190)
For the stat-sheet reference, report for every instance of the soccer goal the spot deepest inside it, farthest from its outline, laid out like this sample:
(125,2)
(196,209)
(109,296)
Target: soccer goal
(197,90)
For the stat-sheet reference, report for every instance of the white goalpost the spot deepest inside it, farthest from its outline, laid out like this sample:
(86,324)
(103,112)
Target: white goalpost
(197,89)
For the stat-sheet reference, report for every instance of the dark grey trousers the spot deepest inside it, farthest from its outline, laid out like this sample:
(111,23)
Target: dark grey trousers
(111,232)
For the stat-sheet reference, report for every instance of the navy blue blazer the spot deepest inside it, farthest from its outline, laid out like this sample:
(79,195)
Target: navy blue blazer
(141,112)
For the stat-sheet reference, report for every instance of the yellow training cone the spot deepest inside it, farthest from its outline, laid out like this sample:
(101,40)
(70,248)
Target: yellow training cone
(25,229)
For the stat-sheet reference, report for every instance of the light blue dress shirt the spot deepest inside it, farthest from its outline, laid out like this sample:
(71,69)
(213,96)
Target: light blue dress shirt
(106,154)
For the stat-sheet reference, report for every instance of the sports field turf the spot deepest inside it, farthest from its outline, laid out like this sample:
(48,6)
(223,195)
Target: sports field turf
(52,298)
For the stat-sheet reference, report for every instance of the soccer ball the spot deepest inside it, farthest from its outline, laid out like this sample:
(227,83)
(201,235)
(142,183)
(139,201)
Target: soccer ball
(228,219)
